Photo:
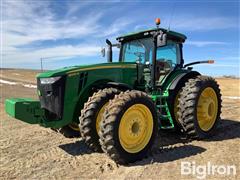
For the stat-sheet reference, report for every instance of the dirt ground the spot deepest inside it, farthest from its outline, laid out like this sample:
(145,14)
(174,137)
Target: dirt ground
(33,152)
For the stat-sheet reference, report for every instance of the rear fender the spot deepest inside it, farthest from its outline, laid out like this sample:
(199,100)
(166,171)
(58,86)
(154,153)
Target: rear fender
(182,78)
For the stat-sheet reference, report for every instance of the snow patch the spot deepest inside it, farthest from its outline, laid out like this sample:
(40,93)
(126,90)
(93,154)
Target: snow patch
(15,83)
(7,82)
(231,97)
(29,85)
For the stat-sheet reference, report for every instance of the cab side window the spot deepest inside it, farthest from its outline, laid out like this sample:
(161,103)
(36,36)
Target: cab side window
(168,54)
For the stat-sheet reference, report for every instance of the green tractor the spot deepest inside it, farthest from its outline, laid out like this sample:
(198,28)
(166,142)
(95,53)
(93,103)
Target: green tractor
(119,107)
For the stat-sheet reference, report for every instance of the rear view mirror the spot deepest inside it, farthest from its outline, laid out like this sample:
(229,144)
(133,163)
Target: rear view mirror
(162,40)
(103,52)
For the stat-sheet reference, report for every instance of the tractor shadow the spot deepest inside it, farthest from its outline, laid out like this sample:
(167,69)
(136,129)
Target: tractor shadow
(171,154)
(76,148)
(227,129)
(172,146)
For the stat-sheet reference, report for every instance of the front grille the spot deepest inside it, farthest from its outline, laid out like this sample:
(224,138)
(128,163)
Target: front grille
(52,98)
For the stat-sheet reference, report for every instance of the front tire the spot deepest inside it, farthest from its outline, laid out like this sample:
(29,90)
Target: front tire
(91,116)
(200,107)
(130,127)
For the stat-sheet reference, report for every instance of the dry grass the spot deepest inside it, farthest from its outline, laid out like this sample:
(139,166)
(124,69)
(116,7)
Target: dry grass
(229,87)
(19,75)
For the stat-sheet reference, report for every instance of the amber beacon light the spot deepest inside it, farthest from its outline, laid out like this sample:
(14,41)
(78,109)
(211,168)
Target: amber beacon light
(157,21)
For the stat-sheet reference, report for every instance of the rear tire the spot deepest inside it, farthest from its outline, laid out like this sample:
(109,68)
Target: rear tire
(173,101)
(129,127)
(91,116)
(173,104)
(200,107)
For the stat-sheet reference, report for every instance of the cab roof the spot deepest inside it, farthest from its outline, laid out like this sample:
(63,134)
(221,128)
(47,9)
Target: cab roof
(146,33)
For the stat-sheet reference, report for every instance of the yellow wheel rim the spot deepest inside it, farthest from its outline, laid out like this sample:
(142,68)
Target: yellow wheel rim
(135,128)
(99,117)
(176,103)
(207,109)
(74,127)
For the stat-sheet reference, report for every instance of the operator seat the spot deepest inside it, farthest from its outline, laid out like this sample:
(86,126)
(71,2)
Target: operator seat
(163,67)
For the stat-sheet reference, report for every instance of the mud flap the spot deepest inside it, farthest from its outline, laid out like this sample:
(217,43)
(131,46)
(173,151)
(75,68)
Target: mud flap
(25,109)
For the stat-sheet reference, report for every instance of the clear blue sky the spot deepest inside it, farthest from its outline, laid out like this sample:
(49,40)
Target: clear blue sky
(73,32)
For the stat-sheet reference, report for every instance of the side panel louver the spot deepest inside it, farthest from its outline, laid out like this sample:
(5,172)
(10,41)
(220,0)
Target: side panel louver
(82,80)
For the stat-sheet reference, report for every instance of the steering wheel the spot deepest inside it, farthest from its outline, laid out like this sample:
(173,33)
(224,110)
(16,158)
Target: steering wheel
(139,55)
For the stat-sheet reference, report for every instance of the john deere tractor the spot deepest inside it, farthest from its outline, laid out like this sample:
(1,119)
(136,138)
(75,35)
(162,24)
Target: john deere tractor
(119,107)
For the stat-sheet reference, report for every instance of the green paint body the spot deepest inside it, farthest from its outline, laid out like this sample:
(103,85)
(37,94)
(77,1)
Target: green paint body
(25,109)
(30,111)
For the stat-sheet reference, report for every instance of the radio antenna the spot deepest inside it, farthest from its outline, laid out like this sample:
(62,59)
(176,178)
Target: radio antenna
(171,16)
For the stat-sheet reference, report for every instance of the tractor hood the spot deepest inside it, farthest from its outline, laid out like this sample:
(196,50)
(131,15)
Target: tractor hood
(73,69)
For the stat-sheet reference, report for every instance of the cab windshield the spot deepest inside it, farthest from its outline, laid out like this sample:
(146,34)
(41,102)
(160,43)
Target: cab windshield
(140,51)
(137,50)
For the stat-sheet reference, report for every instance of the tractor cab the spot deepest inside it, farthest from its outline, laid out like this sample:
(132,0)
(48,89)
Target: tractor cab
(138,47)
(156,52)
(157,48)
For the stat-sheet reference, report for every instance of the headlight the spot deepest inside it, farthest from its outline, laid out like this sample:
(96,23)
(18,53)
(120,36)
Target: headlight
(49,80)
